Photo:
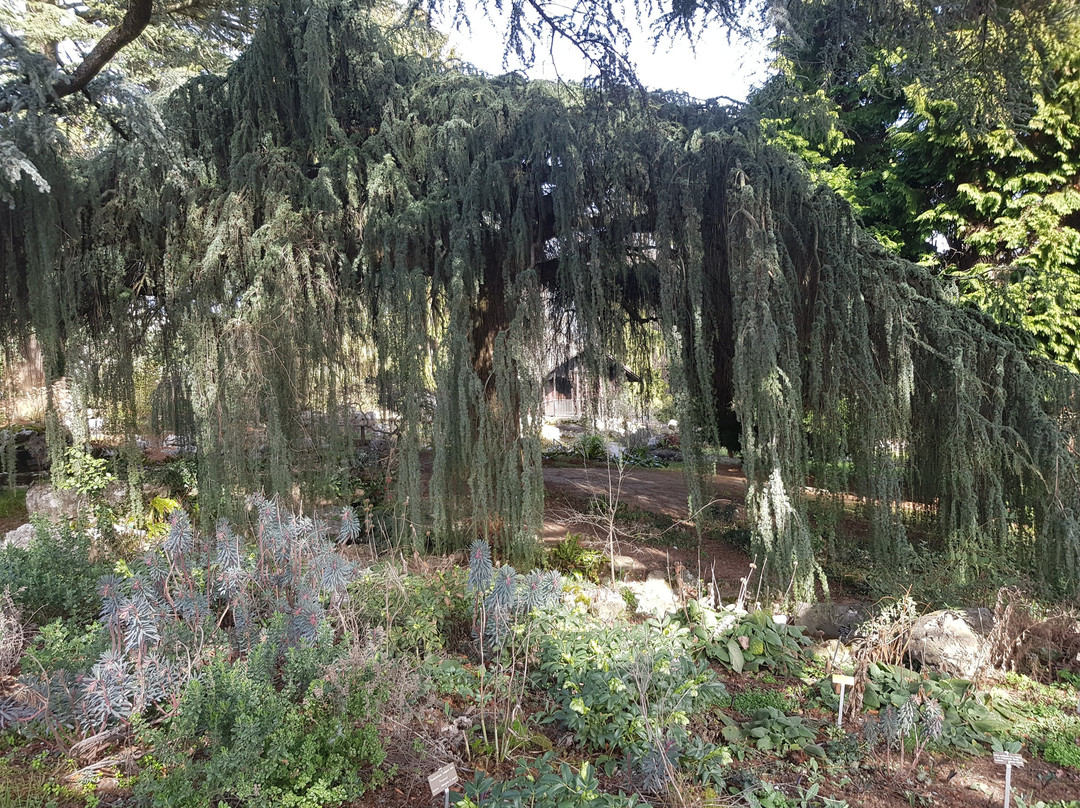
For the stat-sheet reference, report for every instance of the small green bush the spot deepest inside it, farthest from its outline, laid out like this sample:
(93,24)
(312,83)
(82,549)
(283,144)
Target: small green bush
(969,718)
(592,447)
(53,577)
(751,701)
(422,614)
(600,678)
(570,557)
(67,646)
(238,739)
(1063,753)
(769,730)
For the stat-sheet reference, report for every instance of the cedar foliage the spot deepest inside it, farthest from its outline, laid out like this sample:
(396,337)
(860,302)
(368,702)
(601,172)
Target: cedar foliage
(341,204)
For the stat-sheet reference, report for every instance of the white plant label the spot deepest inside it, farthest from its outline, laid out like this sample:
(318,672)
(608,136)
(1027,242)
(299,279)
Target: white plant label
(844,682)
(442,779)
(1008,760)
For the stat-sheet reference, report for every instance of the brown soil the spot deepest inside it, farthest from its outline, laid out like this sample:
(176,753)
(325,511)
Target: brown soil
(972,782)
(656,545)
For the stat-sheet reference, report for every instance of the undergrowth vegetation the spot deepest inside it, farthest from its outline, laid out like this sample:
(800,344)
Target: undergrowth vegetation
(265,667)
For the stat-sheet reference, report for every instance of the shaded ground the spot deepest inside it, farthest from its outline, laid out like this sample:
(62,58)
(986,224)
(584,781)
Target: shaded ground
(654,490)
(664,543)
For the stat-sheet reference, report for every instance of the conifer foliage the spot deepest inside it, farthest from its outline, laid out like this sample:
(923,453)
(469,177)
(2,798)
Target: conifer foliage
(341,205)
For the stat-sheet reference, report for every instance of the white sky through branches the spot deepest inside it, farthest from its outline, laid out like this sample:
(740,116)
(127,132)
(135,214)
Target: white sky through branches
(713,67)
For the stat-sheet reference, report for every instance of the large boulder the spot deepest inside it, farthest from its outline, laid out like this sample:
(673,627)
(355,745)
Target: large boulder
(54,504)
(58,505)
(654,596)
(952,641)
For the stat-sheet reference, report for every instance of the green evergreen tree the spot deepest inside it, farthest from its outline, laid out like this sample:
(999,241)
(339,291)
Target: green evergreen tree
(340,193)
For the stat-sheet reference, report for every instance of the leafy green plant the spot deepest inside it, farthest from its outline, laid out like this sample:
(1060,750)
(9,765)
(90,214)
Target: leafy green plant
(968,718)
(592,447)
(53,577)
(1064,752)
(82,472)
(748,643)
(642,457)
(770,730)
(541,783)
(750,701)
(570,557)
(66,646)
(917,722)
(624,688)
(705,763)
(421,614)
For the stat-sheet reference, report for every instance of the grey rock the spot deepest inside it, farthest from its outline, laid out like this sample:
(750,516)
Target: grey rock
(31,451)
(654,597)
(606,605)
(828,621)
(952,641)
(19,537)
(42,499)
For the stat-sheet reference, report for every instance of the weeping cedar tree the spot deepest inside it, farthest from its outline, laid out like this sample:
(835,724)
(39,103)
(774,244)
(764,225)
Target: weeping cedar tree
(338,195)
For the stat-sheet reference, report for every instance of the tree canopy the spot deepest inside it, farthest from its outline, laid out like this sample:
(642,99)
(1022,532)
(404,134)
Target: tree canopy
(340,206)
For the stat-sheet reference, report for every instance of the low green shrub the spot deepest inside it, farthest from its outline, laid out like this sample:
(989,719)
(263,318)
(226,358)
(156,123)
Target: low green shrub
(422,615)
(770,730)
(1064,752)
(544,782)
(619,688)
(54,577)
(968,719)
(753,642)
(66,646)
(263,732)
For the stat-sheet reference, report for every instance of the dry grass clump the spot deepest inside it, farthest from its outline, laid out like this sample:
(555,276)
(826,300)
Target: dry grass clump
(1031,640)
(12,637)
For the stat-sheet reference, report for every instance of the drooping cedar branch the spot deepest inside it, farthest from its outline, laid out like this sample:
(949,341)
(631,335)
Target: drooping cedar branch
(341,209)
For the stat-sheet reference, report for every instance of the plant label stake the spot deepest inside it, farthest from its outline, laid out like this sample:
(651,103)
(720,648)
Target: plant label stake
(441,780)
(1008,760)
(844,682)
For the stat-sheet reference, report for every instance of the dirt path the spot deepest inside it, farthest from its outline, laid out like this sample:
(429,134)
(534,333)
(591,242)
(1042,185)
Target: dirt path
(653,490)
(641,545)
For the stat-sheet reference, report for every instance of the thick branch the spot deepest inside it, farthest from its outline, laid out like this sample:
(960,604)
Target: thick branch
(134,23)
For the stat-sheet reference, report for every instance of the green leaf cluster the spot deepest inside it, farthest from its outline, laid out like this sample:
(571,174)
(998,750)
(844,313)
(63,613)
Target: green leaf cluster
(613,685)
(970,718)
(753,642)
(770,730)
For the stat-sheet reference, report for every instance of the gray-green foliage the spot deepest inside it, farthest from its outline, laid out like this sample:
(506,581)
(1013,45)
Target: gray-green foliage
(342,207)
(502,596)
